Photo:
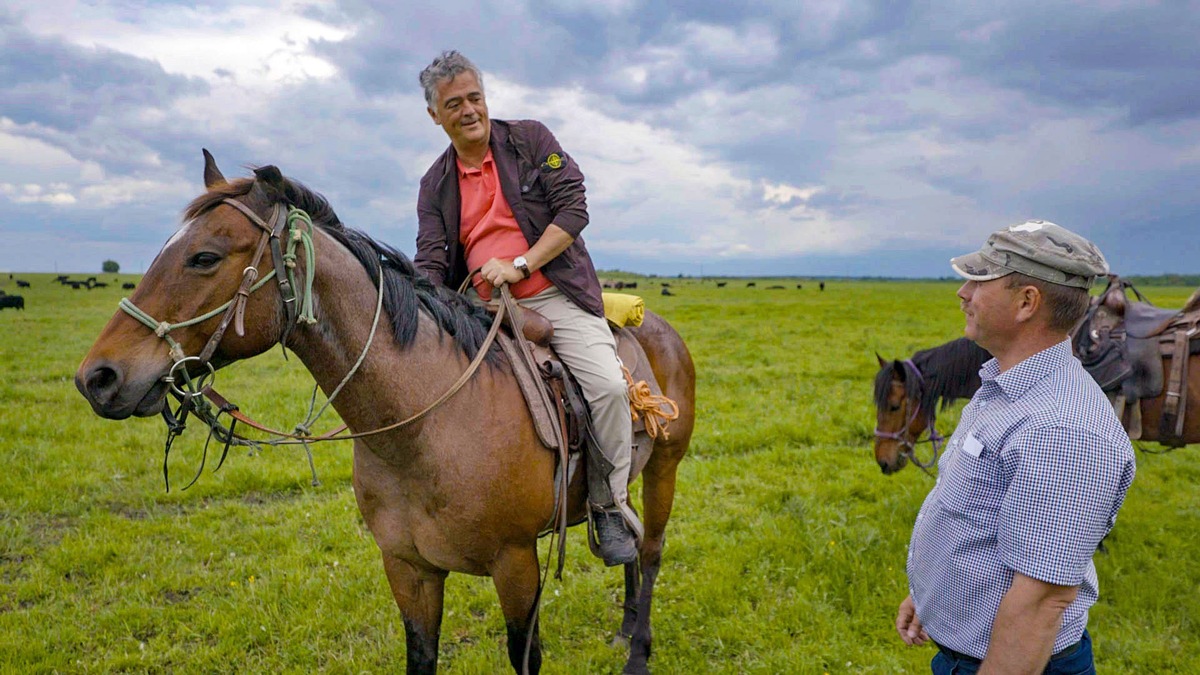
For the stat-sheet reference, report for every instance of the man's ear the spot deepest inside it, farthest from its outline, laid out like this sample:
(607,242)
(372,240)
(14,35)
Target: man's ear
(1029,301)
(433,116)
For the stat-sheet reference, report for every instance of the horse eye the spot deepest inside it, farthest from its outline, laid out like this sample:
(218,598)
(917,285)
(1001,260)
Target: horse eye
(204,260)
(894,407)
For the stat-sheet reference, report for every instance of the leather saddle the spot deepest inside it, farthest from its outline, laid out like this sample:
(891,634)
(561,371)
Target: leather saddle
(556,403)
(1123,344)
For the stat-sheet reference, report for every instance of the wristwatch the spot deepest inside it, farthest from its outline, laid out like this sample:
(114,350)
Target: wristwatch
(522,265)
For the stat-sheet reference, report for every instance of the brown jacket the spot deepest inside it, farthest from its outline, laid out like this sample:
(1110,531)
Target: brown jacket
(542,186)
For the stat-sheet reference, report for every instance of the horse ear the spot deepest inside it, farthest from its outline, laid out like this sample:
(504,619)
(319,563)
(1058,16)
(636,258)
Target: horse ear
(271,180)
(882,362)
(212,175)
(898,369)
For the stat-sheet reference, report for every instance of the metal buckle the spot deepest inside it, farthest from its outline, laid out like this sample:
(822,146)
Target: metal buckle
(197,385)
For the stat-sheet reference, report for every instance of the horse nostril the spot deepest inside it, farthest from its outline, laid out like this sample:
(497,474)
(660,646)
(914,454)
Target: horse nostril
(102,383)
(883,466)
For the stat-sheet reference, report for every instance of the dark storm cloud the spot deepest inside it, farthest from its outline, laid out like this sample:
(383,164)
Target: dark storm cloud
(53,83)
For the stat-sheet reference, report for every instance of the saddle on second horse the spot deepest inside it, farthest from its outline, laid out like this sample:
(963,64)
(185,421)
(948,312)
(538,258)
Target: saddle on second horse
(1123,345)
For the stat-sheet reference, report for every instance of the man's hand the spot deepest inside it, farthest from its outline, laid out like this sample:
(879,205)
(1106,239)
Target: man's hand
(500,271)
(908,624)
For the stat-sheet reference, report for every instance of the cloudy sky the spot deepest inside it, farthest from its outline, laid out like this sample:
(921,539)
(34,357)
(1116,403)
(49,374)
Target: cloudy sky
(717,137)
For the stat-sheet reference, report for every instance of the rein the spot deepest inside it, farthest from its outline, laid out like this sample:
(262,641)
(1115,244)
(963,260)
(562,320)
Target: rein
(907,441)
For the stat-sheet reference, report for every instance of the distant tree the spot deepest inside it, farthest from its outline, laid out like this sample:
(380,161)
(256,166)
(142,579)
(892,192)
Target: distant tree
(110,267)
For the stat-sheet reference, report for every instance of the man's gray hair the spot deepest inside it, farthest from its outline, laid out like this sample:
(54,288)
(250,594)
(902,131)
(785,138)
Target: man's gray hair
(446,67)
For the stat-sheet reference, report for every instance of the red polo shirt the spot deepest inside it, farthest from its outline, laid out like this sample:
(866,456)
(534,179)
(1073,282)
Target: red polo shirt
(487,228)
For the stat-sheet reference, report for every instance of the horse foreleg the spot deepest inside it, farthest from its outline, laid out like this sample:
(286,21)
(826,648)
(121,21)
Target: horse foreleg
(419,594)
(658,495)
(515,574)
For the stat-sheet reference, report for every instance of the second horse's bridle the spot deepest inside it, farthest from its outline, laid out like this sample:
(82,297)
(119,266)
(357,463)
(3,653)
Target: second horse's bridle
(908,442)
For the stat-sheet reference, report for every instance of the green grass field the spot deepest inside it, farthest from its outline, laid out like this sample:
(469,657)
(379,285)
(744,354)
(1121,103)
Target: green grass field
(785,553)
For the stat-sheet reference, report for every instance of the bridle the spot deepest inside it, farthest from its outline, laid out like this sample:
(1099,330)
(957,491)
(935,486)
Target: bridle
(907,441)
(196,394)
(290,224)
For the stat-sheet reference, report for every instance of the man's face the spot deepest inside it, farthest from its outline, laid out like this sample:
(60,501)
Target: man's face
(462,111)
(991,310)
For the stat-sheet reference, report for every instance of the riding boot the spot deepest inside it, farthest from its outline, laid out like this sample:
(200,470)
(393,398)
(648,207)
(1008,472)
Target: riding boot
(615,531)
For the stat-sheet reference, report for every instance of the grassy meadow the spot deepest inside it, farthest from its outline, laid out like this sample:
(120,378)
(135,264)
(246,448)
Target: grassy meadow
(785,553)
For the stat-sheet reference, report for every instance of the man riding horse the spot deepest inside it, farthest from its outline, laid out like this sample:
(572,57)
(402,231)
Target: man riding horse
(506,200)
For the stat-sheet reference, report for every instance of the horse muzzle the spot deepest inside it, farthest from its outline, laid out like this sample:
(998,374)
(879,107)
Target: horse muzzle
(114,395)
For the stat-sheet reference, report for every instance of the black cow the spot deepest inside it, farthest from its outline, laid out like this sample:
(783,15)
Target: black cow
(822,285)
(667,291)
(14,301)
(22,284)
(128,285)
(721,284)
(799,285)
(750,285)
(774,288)
(630,284)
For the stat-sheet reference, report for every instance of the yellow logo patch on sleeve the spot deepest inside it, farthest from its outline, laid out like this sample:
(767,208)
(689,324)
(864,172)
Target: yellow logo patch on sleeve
(554,161)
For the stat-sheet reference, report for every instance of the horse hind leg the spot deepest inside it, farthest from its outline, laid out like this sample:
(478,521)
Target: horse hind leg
(419,594)
(515,574)
(658,496)
(633,579)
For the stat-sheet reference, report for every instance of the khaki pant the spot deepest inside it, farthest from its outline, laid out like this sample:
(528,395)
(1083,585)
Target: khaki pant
(585,344)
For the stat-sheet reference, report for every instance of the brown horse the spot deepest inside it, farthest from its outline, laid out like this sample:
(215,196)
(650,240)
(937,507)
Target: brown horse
(909,393)
(469,487)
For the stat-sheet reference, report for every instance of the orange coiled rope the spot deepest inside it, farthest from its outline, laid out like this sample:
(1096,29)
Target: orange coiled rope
(651,406)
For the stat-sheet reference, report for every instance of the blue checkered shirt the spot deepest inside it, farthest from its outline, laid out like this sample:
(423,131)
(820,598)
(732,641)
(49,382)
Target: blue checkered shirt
(1030,482)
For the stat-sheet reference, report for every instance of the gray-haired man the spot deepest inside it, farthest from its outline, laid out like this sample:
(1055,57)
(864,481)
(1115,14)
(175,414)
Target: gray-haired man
(1000,564)
(505,198)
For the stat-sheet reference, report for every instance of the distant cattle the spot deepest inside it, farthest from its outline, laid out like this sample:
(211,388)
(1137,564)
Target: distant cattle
(750,285)
(721,284)
(75,284)
(799,285)
(128,285)
(630,284)
(22,284)
(774,288)
(822,285)
(97,284)
(14,301)
(667,291)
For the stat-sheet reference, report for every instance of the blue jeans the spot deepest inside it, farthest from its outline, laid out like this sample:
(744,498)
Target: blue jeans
(1078,663)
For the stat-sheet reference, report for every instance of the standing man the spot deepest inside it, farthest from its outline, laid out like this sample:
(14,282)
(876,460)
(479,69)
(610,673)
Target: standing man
(1000,566)
(504,198)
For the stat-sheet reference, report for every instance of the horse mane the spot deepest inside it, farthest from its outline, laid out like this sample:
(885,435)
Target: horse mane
(944,373)
(406,290)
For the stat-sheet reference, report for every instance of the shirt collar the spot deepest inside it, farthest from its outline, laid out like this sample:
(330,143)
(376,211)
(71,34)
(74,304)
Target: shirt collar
(1017,380)
(464,170)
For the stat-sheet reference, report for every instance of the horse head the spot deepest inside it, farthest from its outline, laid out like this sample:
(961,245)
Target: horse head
(176,311)
(898,422)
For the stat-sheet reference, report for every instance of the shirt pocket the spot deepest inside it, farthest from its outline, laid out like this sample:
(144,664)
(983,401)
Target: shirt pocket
(971,487)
